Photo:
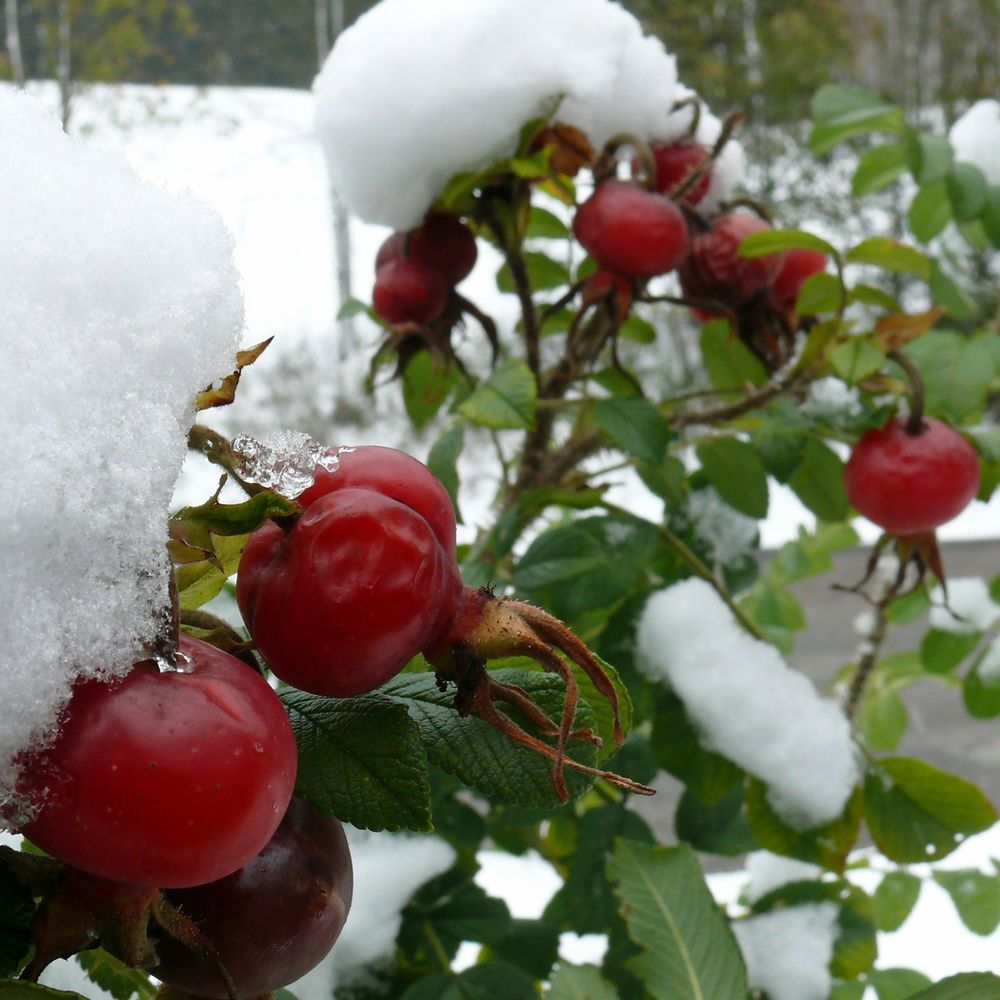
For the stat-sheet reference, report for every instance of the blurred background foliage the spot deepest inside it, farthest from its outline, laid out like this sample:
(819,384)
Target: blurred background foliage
(913,52)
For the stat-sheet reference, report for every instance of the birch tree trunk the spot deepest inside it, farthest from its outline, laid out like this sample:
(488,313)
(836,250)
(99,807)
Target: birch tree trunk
(63,65)
(13,37)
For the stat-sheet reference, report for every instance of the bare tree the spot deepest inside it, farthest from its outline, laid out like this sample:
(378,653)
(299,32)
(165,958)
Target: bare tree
(14,43)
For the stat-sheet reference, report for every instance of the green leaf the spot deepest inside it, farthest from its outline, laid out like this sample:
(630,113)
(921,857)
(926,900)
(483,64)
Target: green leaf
(480,982)
(688,949)
(17,910)
(477,754)
(857,359)
(544,273)
(976,897)
(374,784)
(958,373)
(878,168)
(929,212)
(848,991)
(458,910)
(916,812)
(580,982)
(736,471)
(427,380)
(199,582)
(869,295)
(443,462)
(351,307)
(981,688)
(882,718)
(929,157)
(561,554)
(897,984)
(964,986)
(947,292)
(966,190)
(778,240)
(545,225)
(840,111)
(890,255)
(114,976)
(826,846)
(894,900)
(820,293)
(636,426)
(991,215)
(717,829)
(531,945)
(942,651)
(584,903)
(818,481)
(730,364)
(638,330)
(505,400)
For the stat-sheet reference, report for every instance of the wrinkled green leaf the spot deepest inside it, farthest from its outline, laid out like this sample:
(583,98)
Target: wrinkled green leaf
(378,784)
(636,426)
(688,949)
(736,471)
(505,400)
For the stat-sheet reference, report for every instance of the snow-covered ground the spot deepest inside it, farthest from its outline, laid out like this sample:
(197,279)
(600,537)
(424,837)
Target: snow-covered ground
(253,155)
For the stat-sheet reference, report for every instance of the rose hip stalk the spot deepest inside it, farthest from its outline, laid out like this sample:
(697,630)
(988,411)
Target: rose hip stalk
(365,578)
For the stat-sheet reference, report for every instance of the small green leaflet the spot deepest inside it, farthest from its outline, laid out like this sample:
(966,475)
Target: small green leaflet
(878,168)
(890,255)
(730,364)
(840,111)
(964,986)
(976,897)
(967,191)
(506,400)
(636,426)
(736,471)
(778,240)
(443,462)
(580,982)
(894,899)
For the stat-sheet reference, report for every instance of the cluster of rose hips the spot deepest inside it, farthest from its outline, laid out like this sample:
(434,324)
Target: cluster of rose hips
(634,230)
(179,777)
(416,271)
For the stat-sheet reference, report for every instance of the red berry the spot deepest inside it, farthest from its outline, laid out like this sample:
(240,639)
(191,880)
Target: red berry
(909,484)
(675,161)
(631,231)
(164,779)
(442,243)
(446,245)
(393,248)
(798,265)
(356,588)
(407,291)
(714,268)
(274,919)
(394,474)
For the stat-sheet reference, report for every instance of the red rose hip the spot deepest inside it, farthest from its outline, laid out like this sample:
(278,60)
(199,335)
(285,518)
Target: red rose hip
(274,919)
(354,590)
(910,484)
(407,291)
(631,231)
(675,162)
(714,269)
(164,779)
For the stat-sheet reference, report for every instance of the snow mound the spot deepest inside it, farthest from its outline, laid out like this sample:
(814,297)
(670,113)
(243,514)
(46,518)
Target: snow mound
(975,138)
(749,704)
(967,607)
(788,951)
(414,93)
(120,303)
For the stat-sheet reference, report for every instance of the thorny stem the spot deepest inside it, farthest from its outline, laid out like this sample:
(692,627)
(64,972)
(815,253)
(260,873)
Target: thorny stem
(915,421)
(870,648)
(695,563)
(771,390)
